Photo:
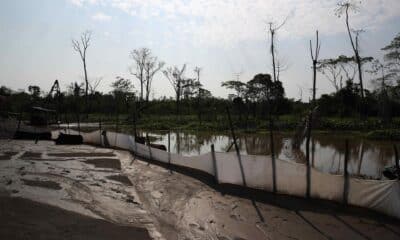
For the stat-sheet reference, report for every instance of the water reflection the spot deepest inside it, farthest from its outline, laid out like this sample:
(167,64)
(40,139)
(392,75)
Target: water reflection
(366,158)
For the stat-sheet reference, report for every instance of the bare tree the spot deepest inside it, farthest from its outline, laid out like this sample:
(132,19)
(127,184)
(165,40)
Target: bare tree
(340,70)
(81,47)
(75,89)
(281,66)
(94,84)
(332,72)
(140,57)
(176,78)
(145,67)
(349,69)
(152,66)
(344,8)
(381,82)
(314,56)
(300,93)
(197,71)
(273,28)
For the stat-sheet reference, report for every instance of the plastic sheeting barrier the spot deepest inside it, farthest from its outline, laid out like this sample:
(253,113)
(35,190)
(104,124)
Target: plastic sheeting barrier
(379,195)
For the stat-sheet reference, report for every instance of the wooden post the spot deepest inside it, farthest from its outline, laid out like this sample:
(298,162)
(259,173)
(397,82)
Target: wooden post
(79,125)
(361,157)
(272,145)
(308,167)
(36,135)
(67,120)
(396,159)
(178,142)
(271,139)
(236,147)
(19,121)
(116,130)
(148,144)
(169,151)
(169,141)
(58,119)
(134,129)
(116,122)
(232,131)
(346,174)
(214,160)
(100,131)
(134,123)
(312,152)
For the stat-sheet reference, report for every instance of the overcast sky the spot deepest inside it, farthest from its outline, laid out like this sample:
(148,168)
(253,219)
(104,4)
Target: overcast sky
(223,37)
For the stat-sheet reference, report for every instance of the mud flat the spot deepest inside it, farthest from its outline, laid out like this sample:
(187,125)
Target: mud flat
(84,192)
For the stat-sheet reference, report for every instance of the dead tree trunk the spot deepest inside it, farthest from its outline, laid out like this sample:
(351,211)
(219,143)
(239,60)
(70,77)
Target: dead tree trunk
(314,58)
(81,47)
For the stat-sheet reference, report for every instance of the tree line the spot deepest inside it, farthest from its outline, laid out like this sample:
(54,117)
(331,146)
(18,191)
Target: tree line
(259,97)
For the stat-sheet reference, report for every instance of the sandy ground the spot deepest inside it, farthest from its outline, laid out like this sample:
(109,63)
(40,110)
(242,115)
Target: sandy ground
(78,192)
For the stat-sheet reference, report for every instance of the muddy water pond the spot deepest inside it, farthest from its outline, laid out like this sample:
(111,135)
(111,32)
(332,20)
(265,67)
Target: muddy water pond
(367,158)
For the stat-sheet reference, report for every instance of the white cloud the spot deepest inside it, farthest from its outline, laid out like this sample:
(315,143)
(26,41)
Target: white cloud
(229,22)
(101,17)
(80,3)
(77,2)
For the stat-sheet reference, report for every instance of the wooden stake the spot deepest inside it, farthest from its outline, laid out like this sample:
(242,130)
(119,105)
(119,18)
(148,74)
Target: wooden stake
(100,131)
(236,147)
(214,164)
(169,141)
(116,129)
(19,121)
(308,167)
(67,120)
(272,145)
(79,125)
(346,174)
(169,151)
(148,144)
(396,159)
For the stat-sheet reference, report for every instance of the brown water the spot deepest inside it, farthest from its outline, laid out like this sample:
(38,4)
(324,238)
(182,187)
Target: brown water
(367,158)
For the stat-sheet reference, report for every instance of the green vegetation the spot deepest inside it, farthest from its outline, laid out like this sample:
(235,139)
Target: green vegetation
(220,123)
(254,105)
(392,134)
